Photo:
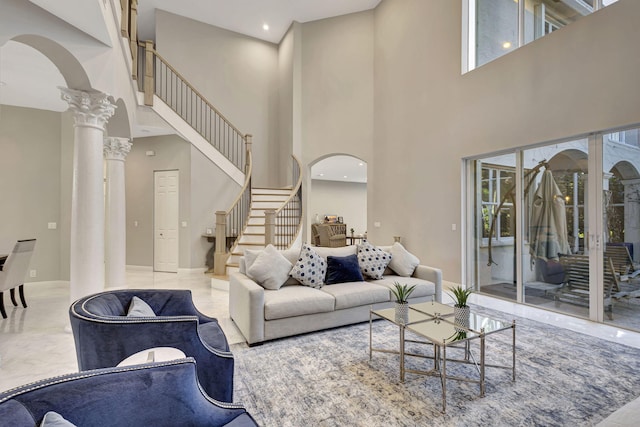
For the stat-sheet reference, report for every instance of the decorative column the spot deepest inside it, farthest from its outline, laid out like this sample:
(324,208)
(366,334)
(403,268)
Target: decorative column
(91,111)
(115,152)
(632,215)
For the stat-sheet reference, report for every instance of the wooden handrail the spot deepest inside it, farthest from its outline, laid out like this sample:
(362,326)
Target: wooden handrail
(173,70)
(294,190)
(247,182)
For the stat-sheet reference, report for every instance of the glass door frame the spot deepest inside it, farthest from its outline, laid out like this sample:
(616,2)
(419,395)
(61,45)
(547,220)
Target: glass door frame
(594,237)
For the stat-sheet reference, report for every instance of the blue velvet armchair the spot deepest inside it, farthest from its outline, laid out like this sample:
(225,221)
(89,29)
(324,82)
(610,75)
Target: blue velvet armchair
(104,335)
(152,394)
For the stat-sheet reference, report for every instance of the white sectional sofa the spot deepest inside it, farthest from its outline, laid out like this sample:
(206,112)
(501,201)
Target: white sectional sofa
(264,314)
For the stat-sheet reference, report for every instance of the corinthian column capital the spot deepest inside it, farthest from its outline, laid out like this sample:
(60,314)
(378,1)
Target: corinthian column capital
(91,109)
(115,148)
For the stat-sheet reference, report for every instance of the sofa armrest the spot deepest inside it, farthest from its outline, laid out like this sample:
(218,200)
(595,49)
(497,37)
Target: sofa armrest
(431,274)
(246,307)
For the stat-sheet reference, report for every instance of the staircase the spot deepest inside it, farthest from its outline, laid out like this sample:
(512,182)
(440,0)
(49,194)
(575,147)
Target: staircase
(253,235)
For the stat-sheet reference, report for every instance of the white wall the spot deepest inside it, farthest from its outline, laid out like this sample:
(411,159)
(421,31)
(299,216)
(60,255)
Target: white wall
(237,74)
(345,199)
(428,116)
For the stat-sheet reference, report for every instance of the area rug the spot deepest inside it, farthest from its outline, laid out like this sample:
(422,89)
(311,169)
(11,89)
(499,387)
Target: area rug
(326,379)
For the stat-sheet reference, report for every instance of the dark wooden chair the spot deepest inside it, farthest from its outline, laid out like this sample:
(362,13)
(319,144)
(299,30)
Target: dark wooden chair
(14,271)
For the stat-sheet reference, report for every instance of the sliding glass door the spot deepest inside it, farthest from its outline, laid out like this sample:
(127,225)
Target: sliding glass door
(557,226)
(621,227)
(555,183)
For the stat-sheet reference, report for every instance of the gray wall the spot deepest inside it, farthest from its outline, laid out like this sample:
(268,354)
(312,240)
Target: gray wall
(171,153)
(211,190)
(428,116)
(31,190)
(204,189)
(236,73)
(337,87)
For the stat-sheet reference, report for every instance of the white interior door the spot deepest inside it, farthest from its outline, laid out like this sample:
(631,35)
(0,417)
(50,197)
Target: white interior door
(165,240)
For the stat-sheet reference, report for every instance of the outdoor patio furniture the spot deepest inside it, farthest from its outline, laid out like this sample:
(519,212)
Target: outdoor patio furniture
(576,282)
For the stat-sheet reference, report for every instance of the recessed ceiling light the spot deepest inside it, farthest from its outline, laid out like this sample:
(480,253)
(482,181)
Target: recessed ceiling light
(345,176)
(265,27)
(360,164)
(320,174)
(506,45)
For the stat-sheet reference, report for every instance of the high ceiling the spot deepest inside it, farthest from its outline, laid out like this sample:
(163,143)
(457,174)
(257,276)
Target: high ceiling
(248,16)
(29,79)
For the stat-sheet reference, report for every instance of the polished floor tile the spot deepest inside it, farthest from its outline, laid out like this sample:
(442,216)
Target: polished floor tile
(35,342)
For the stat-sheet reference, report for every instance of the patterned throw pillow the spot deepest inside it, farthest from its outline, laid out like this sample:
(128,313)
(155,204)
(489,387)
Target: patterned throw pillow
(372,260)
(310,268)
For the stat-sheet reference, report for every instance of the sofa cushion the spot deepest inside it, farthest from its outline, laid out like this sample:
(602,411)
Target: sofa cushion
(402,262)
(310,269)
(372,260)
(343,269)
(423,287)
(139,308)
(211,334)
(355,294)
(324,252)
(270,268)
(296,300)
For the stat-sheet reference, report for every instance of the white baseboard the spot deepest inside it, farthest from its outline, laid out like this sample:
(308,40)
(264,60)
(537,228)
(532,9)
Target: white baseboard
(139,267)
(192,270)
(49,282)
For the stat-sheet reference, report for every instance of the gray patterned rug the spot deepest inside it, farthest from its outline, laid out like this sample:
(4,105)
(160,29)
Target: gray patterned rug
(325,379)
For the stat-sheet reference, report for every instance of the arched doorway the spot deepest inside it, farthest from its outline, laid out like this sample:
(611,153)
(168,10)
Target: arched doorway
(338,188)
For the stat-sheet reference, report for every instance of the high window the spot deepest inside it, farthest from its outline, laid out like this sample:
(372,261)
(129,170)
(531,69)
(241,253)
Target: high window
(496,27)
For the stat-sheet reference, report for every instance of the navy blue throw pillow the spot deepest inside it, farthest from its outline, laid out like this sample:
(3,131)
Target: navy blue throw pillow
(343,269)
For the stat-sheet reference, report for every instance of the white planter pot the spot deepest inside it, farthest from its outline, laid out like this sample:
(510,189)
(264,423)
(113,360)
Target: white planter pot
(402,312)
(461,316)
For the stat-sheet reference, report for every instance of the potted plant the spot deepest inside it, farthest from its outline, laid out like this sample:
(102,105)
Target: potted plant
(352,231)
(401,294)
(461,310)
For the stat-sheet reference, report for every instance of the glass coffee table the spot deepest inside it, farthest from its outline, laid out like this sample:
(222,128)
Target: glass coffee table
(435,323)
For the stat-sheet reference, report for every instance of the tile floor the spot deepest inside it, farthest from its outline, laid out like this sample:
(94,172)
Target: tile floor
(35,343)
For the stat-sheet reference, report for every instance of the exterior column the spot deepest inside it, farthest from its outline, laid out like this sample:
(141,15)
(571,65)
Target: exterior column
(115,152)
(632,215)
(91,111)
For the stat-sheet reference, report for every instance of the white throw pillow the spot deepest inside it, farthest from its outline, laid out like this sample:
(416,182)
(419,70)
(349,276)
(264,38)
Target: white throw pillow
(310,269)
(402,262)
(270,268)
(139,308)
(250,256)
(53,419)
(372,260)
